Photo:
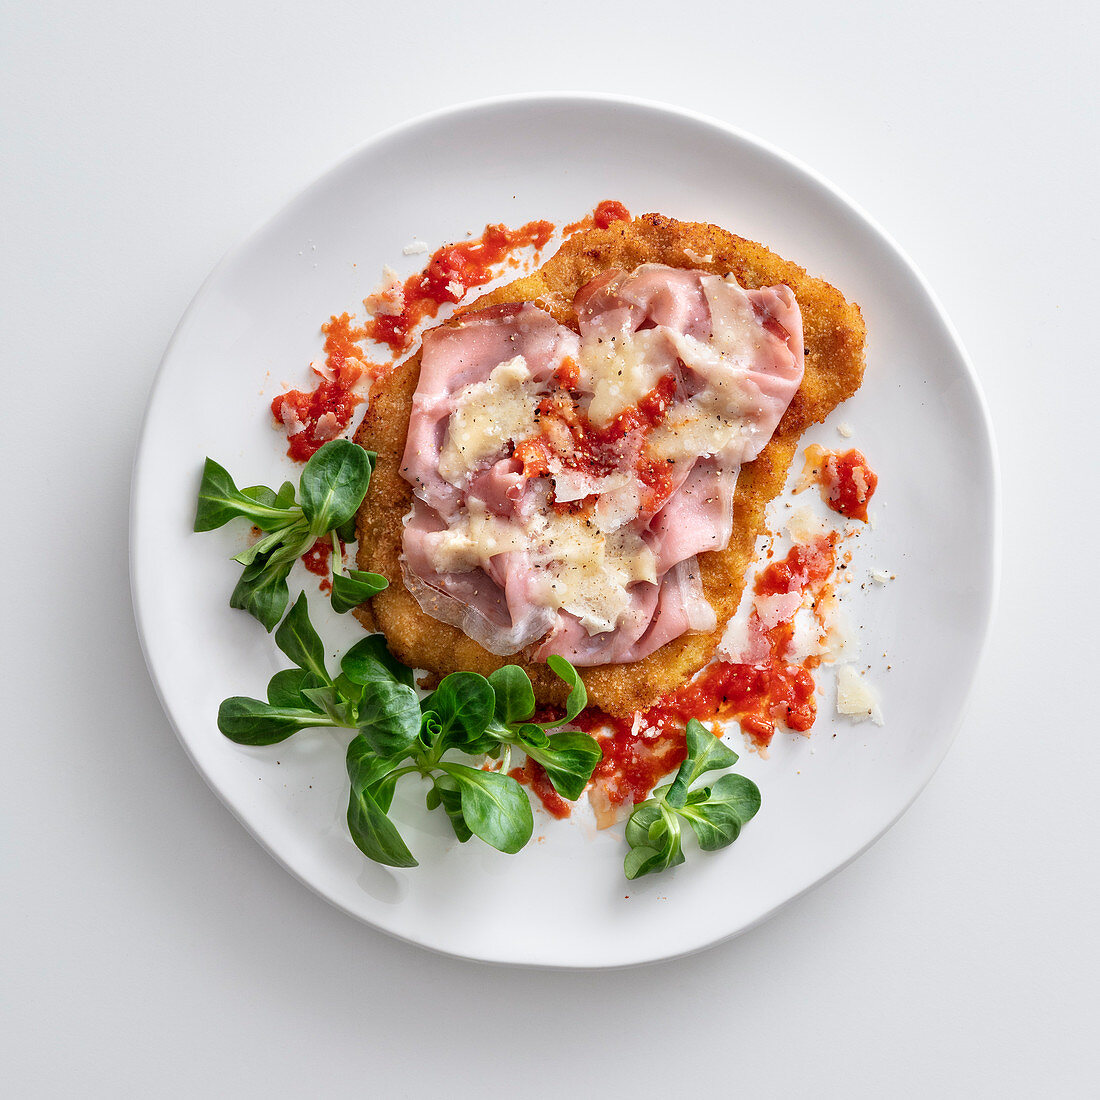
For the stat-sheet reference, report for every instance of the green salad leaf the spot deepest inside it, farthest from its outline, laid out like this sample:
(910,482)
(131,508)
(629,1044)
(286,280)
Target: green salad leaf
(253,722)
(370,659)
(715,814)
(350,589)
(332,486)
(375,835)
(397,734)
(513,696)
(578,697)
(494,806)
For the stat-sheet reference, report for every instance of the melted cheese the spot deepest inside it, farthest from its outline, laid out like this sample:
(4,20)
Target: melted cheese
(736,331)
(720,416)
(487,416)
(704,426)
(620,370)
(579,568)
(571,485)
(589,573)
(473,541)
(586,563)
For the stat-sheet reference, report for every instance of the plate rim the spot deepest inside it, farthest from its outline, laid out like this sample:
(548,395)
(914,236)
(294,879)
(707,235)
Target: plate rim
(581,100)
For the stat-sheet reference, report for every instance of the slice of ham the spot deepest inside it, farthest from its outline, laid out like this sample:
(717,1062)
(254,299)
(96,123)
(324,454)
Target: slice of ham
(459,355)
(735,350)
(659,614)
(498,608)
(697,517)
(649,297)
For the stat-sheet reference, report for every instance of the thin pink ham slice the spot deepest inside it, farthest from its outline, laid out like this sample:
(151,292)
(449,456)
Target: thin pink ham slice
(651,296)
(659,614)
(456,356)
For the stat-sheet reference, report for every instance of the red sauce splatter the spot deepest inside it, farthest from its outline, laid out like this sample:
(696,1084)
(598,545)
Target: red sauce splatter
(771,690)
(845,480)
(610,211)
(632,765)
(568,374)
(326,411)
(533,775)
(758,696)
(602,217)
(317,558)
(451,271)
(807,567)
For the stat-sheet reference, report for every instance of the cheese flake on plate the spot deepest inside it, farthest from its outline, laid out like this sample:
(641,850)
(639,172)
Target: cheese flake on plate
(855,697)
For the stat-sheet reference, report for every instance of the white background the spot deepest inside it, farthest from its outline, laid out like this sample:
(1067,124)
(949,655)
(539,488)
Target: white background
(149,947)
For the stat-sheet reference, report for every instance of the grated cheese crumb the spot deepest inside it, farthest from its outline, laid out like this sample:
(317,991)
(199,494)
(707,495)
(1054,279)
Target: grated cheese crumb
(803,526)
(388,298)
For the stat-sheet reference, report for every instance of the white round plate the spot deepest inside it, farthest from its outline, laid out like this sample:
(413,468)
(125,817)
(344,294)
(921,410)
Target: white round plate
(919,418)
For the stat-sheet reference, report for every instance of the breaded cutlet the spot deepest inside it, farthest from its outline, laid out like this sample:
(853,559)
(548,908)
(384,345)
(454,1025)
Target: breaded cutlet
(834,362)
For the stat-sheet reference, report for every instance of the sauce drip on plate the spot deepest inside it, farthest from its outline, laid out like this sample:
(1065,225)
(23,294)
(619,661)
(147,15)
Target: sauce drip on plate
(312,417)
(845,480)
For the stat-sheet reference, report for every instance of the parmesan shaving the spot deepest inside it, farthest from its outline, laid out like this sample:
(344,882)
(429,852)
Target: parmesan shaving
(474,540)
(706,426)
(580,570)
(855,698)
(803,526)
(807,639)
(588,573)
(620,370)
(327,427)
(487,415)
(388,298)
(289,416)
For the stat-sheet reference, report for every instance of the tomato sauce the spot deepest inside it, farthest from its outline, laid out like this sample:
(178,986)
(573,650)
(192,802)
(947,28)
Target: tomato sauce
(632,765)
(845,480)
(533,775)
(317,559)
(598,451)
(325,412)
(312,417)
(610,211)
(757,696)
(451,271)
(772,690)
(606,214)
